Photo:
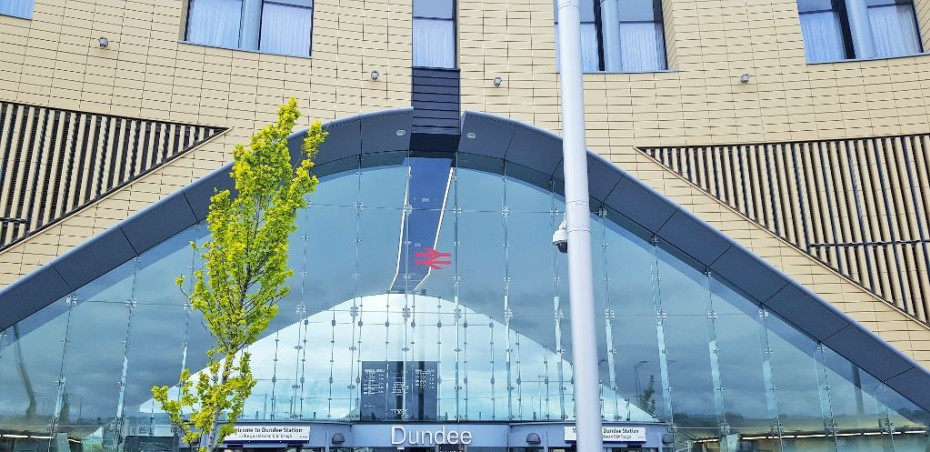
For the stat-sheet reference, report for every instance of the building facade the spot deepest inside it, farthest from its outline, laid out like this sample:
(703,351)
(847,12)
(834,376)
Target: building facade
(759,180)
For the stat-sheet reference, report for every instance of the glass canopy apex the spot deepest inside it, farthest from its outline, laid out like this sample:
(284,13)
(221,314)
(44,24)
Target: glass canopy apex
(445,261)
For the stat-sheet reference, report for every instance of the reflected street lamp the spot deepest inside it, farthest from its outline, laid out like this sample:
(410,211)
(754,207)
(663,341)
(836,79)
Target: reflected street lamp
(636,382)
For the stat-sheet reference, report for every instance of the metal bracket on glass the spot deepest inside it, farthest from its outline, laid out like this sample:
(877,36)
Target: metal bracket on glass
(777,428)
(724,429)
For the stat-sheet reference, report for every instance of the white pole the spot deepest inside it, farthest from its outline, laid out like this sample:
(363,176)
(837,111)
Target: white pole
(577,214)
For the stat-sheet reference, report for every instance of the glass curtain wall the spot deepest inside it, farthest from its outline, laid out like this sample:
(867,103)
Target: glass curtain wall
(440,279)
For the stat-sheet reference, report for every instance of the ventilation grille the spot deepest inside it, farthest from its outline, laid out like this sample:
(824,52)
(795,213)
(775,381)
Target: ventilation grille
(436,101)
(54,162)
(859,206)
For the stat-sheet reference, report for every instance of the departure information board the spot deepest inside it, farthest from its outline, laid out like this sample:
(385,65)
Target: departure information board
(399,390)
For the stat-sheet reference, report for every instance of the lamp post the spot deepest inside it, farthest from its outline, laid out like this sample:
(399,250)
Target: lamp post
(577,215)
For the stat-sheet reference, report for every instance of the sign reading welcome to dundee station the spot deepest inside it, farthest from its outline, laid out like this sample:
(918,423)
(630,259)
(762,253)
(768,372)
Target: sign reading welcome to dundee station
(277,433)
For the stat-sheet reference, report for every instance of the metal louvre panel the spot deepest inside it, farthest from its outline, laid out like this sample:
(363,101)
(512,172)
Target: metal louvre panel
(858,205)
(54,162)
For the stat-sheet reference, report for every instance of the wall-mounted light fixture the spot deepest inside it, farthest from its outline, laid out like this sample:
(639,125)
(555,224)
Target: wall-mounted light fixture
(103,41)
(375,74)
(498,80)
(338,438)
(744,79)
(533,438)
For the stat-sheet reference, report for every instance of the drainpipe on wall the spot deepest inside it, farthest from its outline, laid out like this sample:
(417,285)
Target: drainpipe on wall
(577,214)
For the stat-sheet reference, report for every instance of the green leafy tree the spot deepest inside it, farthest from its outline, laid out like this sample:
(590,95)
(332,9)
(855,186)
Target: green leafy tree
(646,397)
(245,268)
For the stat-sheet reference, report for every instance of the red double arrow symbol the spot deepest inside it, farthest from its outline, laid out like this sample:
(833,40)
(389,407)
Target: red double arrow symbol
(431,258)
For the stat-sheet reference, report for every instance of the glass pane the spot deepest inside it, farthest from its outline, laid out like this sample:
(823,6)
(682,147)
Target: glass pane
(740,333)
(433,9)
(303,3)
(286,29)
(18,8)
(823,38)
(815,5)
(434,43)
(30,368)
(93,366)
(639,363)
(214,22)
(684,307)
(803,405)
(640,11)
(894,30)
(589,56)
(642,47)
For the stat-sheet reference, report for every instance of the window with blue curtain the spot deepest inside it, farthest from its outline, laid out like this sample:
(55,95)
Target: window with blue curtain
(825,30)
(894,27)
(620,36)
(286,27)
(835,30)
(214,22)
(434,33)
(642,36)
(17,8)
(590,52)
(274,26)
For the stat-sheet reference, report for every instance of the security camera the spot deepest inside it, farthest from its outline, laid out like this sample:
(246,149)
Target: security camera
(560,238)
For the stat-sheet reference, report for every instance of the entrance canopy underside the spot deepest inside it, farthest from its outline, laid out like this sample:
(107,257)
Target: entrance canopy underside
(487,139)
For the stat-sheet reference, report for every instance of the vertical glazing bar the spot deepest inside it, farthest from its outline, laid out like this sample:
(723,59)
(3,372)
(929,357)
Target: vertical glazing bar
(71,301)
(660,330)
(131,306)
(714,353)
(768,377)
(274,376)
(609,315)
(508,312)
(355,312)
(461,333)
(554,221)
(823,390)
(303,316)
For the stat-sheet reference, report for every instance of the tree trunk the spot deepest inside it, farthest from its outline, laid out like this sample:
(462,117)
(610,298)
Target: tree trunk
(24,375)
(214,433)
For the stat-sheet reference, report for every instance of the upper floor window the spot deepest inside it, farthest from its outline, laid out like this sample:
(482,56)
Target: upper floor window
(273,26)
(18,8)
(836,30)
(434,33)
(621,35)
